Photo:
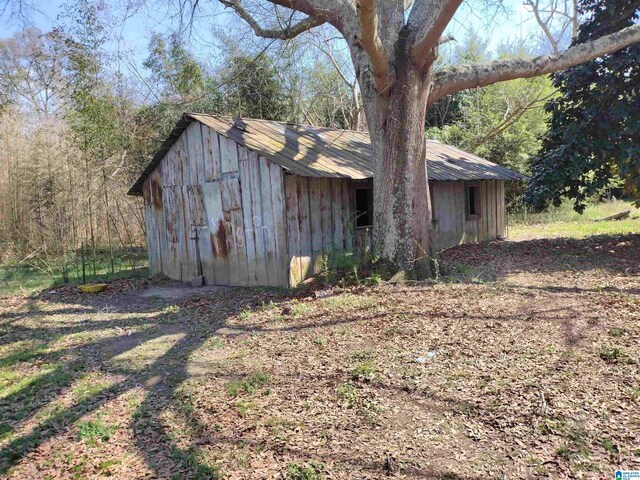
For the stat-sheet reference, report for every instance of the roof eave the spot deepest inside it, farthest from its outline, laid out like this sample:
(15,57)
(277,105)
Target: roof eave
(179,127)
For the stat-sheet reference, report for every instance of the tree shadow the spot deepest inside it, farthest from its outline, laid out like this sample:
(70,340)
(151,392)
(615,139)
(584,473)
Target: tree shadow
(614,254)
(161,378)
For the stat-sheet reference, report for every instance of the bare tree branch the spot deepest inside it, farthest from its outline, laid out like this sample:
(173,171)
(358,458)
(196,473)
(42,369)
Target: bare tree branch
(339,13)
(463,77)
(371,43)
(555,17)
(446,39)
(427,21)
(287,33)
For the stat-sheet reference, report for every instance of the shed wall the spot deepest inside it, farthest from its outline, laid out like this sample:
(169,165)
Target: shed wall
(230,199)
(256,225)
(321,219)
(452,227)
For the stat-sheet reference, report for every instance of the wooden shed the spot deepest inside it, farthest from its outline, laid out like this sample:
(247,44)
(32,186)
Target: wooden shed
(256,202)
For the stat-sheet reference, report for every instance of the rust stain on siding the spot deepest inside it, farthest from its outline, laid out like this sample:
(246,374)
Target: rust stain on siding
(220,241)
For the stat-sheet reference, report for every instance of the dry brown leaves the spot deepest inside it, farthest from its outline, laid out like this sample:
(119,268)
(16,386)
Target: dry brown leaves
(525,366)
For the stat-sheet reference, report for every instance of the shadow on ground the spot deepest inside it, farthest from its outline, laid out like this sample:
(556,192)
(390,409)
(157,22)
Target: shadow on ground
(135,318)
(494,261)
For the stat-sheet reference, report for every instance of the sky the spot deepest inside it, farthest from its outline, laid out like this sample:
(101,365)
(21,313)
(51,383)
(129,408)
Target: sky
(131,36)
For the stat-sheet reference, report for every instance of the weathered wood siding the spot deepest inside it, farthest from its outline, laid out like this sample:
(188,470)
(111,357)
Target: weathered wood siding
(320,222)
(452,227)
(256,225)
(230,199)
(320,218)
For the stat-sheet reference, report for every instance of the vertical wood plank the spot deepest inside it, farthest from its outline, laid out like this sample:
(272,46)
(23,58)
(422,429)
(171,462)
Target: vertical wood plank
(196,207)
(180,161)
(188,259)
(493,203)
(232,211)
(293,232)
(151,231)
(167,164)
(196,152)
(306,249)
(248,205)
(316,225)
(326,217)
(268,219)
(260,228)
(189,166)
(336,213)
(211,154)
(484,195)
(228,155)
(212,197)
(348,219)
(279,225)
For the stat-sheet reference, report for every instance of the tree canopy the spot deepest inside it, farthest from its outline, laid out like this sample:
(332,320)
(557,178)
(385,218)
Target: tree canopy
(594,132)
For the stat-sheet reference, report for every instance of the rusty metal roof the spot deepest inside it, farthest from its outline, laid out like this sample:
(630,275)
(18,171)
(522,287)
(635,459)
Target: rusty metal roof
(326,152)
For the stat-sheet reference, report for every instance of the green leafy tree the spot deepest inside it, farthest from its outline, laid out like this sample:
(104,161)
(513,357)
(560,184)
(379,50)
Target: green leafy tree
(180,84)
(254,89)
(503,122)
(93,112)
(594,133)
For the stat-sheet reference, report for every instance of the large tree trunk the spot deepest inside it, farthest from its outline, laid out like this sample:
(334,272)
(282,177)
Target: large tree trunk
(402,225)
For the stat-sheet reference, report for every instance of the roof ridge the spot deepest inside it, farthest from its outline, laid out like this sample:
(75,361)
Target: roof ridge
(264,120)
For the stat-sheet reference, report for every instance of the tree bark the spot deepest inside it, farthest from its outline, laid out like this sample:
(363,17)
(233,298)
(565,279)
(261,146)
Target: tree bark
(402,210)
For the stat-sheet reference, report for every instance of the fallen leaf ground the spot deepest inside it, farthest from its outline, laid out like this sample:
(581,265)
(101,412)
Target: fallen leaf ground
(521,363)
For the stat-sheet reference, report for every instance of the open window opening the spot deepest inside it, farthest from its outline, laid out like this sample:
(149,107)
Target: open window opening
(364,207)
(473,200)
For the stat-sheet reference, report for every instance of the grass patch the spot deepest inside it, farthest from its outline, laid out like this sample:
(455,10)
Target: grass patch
(364,371)
(616,355)
(563,221)
(194,460)
(363,355)
(92,431)
(245,314)
(245,407)
(248,385)
(617,332)
(30,277)
(88,386)
(348,393)
(609,446)
(320,341)
(300,309)
(346,301)
(24,354)
(308,471)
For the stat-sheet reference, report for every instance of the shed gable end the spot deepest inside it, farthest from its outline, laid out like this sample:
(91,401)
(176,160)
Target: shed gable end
(214,208)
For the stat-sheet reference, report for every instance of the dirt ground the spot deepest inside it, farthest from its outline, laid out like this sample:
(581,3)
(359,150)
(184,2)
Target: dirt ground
(522,362)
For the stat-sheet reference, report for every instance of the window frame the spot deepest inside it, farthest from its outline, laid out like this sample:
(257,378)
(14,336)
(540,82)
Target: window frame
(432,201)
(355,197)
(478,204)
